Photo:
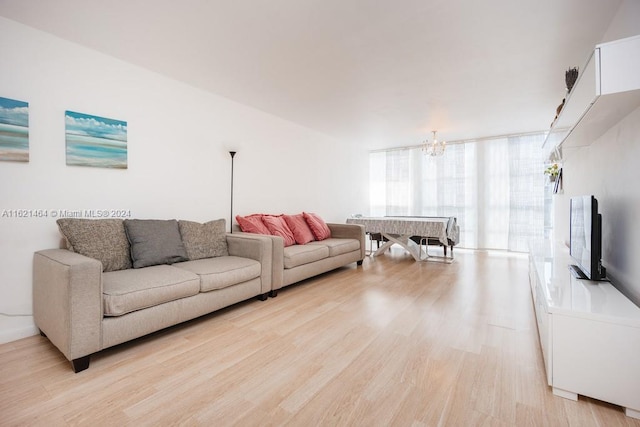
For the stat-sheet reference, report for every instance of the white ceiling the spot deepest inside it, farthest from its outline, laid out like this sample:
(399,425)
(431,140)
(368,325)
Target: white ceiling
(381,73)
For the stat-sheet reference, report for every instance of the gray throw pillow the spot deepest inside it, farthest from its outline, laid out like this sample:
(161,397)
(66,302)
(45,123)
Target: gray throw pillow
(206,240)
(154,241)
(101,239)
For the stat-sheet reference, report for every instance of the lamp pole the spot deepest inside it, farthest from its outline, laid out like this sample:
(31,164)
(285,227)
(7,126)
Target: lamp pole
(232,154)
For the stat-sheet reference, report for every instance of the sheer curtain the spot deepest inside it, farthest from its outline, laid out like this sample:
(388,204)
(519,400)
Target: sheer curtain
(495,187)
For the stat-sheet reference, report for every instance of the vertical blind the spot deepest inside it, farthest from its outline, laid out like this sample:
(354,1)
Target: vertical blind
(494,187)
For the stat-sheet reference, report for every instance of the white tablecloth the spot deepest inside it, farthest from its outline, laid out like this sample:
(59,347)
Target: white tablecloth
(435,227)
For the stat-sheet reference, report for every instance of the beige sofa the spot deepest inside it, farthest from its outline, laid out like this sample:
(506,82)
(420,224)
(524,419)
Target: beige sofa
(84,304)
(294,263)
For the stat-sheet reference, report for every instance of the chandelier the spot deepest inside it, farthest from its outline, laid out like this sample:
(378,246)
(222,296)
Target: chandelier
(435,147)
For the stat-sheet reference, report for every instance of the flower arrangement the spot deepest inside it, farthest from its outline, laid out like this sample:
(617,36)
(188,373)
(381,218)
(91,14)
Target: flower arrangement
(552,170)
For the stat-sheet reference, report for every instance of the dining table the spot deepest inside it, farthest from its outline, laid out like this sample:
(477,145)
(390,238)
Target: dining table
(399,230)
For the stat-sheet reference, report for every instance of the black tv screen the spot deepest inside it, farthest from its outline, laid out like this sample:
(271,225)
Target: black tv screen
(585,241)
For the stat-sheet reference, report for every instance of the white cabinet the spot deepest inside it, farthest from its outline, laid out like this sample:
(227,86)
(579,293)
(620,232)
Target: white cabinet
(589,332)
(607,89)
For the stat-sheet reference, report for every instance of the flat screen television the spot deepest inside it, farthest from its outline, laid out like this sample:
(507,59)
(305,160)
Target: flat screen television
(585,238)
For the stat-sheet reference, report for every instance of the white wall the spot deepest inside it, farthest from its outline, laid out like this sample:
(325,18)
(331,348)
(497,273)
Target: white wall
(178,161)
(609,169)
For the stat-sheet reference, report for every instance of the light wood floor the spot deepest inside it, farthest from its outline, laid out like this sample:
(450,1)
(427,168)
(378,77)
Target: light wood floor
(393,342)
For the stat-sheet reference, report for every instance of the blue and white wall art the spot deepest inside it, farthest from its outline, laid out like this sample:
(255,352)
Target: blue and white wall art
(14,130)
(95,141)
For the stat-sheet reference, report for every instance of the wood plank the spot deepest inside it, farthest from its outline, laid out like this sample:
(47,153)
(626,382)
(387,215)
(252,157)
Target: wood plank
(394,342)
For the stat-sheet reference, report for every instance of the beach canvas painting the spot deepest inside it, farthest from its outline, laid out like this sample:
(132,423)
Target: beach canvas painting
(14,130)
(95,141)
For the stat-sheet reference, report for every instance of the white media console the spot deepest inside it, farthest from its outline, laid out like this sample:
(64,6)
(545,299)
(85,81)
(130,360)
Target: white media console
(589,331)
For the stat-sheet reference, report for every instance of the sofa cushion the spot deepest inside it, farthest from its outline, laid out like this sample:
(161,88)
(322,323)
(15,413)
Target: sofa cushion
(252,224)
(338,246)
(221,272)
(125,291)
(300,229)
(154,242)
(204,240)
(101,239)
(317,225)
(278,227)
(303,254)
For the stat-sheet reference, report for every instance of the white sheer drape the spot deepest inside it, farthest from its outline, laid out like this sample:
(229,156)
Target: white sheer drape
(494,187)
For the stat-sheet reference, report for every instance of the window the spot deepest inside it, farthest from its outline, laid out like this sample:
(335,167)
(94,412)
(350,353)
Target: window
(495,187)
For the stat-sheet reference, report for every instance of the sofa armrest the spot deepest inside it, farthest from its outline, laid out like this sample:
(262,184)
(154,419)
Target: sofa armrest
(67,301)
(257,247)
(349,231)
(278,262)
(277,247)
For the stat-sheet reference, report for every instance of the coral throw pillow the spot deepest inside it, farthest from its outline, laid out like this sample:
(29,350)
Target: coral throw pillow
(317,225)
(278,227)
(252,224)
(300,229)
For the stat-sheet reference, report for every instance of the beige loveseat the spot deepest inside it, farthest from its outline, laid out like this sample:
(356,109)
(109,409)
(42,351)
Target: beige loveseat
(297,262)
(116,291)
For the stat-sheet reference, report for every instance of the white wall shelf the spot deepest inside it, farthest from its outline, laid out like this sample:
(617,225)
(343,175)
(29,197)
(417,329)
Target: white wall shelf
(589,331)
(607,89)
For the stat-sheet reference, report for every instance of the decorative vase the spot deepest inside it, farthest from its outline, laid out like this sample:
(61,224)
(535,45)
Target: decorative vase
(570,77)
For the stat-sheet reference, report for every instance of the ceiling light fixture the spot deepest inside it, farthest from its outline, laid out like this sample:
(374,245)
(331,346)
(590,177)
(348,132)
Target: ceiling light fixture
(435,147)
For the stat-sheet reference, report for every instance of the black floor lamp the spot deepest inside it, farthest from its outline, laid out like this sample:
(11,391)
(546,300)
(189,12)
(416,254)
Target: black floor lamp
(232,153)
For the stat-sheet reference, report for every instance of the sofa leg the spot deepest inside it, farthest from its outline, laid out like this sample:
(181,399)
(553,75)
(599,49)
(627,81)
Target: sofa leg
(273,293)
(359,262)
(80,364)
(263,297)
(42,334)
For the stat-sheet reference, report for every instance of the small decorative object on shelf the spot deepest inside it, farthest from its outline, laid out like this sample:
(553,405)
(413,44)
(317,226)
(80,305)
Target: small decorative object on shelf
(555,176)
(570,77)
(553,171)
(557,187)
(558,111)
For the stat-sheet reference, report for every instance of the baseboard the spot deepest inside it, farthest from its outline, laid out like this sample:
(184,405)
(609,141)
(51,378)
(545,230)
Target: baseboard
(15,328)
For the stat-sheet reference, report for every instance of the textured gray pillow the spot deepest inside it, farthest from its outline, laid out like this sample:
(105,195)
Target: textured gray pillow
(154,241)
(206,240)
(101,239)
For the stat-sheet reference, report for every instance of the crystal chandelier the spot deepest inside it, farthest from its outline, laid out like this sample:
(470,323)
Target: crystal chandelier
(435,147)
